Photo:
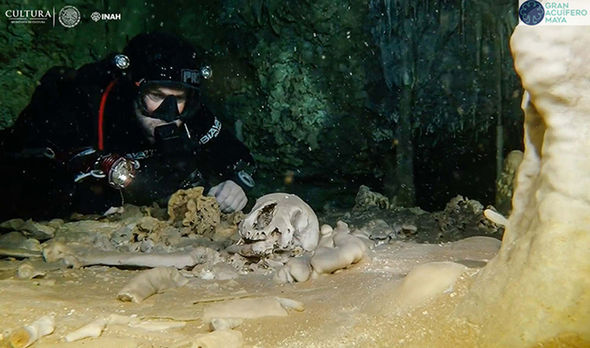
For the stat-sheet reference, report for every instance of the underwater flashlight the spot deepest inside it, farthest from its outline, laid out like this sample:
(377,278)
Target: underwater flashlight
(119,171)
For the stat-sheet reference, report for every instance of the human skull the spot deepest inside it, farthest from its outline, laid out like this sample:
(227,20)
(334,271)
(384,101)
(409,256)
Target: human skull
(279,221)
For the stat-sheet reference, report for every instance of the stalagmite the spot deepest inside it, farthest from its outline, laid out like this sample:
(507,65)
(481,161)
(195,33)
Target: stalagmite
(536,291)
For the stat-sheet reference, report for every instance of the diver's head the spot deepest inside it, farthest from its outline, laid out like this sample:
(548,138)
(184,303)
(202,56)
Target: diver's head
(165,59)
(166,71)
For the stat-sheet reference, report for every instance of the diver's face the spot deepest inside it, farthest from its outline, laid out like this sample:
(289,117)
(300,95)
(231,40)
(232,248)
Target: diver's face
(152,99)
(155,96)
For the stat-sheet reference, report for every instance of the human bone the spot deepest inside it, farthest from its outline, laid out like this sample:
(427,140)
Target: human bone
(27,271)
(279,221)
(79,257)
(245,308)
(297,269)
(347,250)
(225,323)
(92,329)
(495,217)
(151,282)
(96,327)
(223,338)
(29,334)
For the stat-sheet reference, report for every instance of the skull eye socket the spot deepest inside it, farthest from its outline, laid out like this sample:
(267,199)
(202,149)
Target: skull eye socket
(265,216)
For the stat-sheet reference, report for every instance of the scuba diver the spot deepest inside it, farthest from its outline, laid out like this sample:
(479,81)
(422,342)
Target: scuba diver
(130,128)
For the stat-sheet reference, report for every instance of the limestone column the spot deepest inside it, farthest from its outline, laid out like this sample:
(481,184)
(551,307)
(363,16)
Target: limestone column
(537,289)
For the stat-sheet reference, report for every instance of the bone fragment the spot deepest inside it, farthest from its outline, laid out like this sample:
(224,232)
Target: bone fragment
(348,250)
(245,308)
(156,325)
(225,323)
(93,329)
(56,251)
(218,339)
(28,271)
(151,282)
(495,217)
(288,303)
(29,334)
(297,269)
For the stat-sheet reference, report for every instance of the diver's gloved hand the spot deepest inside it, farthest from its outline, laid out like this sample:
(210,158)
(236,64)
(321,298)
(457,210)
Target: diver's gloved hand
(229,195)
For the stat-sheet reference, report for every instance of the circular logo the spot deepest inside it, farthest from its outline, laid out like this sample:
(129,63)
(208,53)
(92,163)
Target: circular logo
(69,16)
(531,12)
(206,72)
(122,61)
(95,16)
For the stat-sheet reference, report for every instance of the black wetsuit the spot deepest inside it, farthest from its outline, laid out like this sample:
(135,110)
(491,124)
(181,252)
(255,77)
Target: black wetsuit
(65,116)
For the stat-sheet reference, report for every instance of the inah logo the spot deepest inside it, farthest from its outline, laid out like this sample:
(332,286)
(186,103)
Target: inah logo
(95,16)
(69,16)
(531,12)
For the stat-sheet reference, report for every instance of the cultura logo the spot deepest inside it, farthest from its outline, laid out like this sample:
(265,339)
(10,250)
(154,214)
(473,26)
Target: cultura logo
(28,16)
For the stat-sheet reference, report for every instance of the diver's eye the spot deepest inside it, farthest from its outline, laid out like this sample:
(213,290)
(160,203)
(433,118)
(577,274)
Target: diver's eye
(155,97)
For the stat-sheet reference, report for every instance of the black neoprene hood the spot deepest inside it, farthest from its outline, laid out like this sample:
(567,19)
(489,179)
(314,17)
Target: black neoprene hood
(163,58)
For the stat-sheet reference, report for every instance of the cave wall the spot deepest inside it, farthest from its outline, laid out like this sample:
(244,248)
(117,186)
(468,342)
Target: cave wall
(306,86)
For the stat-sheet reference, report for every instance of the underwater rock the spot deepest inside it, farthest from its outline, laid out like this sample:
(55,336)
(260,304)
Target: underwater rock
(86,231)
(505,183)
(462,218)
(15,244)
(365,198)
(537,289)
(190,208)
(29,228)
(19,241)
(278,222)
(151,282)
